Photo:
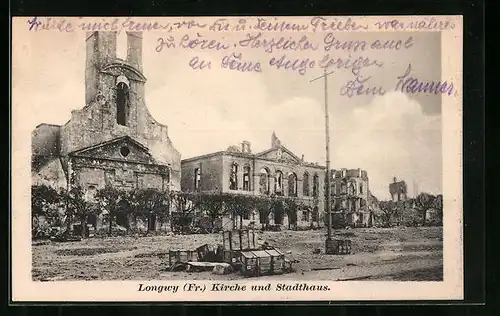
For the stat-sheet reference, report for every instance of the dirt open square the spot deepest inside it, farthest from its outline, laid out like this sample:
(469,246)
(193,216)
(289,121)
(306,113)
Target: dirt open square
(399,253)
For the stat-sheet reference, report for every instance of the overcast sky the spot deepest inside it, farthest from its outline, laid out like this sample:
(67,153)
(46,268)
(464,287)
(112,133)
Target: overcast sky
(206,111)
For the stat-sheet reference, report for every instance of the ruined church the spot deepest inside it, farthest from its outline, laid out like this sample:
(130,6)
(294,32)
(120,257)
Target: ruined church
(113,140)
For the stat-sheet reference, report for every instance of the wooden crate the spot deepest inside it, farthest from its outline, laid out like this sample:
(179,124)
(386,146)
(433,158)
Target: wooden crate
(229,255)
(240,239)
(262,262)
(278,261)
(175,256)
(342,246)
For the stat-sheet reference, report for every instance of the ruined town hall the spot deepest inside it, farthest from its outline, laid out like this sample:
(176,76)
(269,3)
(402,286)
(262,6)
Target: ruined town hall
(275,171)
(113,139)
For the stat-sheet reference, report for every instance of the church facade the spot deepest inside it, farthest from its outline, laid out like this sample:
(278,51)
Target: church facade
(275,171)
(113,140)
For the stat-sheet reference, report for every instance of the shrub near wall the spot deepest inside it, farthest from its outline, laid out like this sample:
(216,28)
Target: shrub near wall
(339,220)
(412,218)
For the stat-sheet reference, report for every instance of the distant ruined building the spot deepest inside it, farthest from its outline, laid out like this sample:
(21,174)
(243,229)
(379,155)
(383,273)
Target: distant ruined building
(113,140)
(398,190)
(351,198)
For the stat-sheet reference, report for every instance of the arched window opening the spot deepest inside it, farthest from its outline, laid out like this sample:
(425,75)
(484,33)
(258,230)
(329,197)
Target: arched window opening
(292,184)
(352,190)
(264,181)
(278,183)
(122,103)
(233,177)
(305,184)
(343,188)
(246,178)
(315,185)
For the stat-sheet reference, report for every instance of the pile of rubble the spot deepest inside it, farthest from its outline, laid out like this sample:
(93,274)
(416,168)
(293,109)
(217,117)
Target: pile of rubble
(238,253)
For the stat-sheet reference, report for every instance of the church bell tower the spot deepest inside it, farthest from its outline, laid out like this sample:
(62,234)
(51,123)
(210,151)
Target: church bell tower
(117,81)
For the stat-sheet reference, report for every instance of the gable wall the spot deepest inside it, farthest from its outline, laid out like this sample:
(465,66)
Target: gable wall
(123,175)
(211,174)
(50,174)
(113,151)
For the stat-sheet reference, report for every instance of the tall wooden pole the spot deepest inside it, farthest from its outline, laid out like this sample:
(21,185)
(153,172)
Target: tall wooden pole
(329,243)
(327,186)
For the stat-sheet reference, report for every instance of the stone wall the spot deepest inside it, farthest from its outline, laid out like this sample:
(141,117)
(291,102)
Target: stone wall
(256,165)
(45,140)
(211,173)
(123,175)
(50,174)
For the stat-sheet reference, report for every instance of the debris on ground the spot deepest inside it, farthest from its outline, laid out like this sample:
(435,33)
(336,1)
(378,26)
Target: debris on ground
(265,245)
(237,253)
(371,255)
(222,268)
(325,268)
(209,253)
(317,251)
(65,237)
(357,278)
(178,266)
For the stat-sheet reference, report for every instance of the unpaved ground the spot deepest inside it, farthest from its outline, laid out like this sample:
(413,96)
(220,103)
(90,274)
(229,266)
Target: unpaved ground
(405,254)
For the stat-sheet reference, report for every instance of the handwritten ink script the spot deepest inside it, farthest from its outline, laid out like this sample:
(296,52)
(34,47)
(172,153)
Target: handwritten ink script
(314,24)
(407,83)
(306,46)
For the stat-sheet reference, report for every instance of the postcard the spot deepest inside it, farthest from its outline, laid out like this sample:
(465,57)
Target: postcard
(243,158)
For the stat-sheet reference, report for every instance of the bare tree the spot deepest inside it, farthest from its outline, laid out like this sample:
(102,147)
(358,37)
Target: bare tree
(44,202)
(109,198)
(389,210)
(81,207)
(423,202)
(149,202)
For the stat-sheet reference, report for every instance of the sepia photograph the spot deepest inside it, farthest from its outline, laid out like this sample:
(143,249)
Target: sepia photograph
(226,149)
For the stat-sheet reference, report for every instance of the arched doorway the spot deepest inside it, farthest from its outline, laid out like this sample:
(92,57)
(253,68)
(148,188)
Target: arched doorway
(92,220)
(279,213)
(152,222)
(122,220)
(264,181)
(122,214)
(292,184)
